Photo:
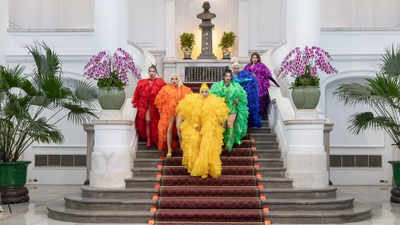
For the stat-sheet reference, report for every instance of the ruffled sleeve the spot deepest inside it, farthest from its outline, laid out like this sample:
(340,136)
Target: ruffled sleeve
(137,94)
(161,97)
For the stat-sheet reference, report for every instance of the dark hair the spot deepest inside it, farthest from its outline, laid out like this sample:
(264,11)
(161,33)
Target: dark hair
(228,71)
(153,67)
(255,54)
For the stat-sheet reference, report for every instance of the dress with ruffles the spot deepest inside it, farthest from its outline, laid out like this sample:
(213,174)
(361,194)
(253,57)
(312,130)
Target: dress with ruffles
(143,99)
(230,93)
(250,85)
(202,149)
(166,101)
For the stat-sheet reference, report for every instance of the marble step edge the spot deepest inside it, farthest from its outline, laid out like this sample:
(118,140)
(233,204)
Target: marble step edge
(263,179)
(267,150)
(222,158)
(152,190)
(58,211)
(152,169)
(272,202)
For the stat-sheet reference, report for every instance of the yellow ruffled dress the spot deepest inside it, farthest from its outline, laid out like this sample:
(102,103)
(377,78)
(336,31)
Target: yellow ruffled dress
(202,149)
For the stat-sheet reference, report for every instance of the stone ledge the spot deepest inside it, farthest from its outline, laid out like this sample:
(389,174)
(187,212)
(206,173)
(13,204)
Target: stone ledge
(113,122)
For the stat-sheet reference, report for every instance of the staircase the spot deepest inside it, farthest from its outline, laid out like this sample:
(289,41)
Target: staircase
(252,190)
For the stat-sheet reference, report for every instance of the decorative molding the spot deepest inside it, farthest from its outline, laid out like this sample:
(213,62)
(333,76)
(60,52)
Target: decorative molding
(49,30)
(357,146)
(360,29)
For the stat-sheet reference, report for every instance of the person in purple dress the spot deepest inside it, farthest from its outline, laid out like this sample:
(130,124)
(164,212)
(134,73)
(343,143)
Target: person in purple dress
(263,75)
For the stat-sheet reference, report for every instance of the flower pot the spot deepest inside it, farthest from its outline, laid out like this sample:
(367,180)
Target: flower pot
(13,174)
(187,54)
(111,98)
(226,54)
(396,172)
(306,97)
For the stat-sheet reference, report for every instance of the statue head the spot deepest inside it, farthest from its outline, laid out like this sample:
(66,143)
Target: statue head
(206,6)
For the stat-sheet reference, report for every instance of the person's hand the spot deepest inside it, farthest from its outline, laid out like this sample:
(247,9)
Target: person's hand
(237,101)
(134,105)
(198,128)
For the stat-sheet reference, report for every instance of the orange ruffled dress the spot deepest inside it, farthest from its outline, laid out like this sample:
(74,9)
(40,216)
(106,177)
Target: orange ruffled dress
(166,101)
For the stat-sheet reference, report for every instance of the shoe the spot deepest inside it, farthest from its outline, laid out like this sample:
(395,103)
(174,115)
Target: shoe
(169,154)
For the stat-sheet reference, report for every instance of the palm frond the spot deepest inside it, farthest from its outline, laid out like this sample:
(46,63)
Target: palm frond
(391,61)
(79,114)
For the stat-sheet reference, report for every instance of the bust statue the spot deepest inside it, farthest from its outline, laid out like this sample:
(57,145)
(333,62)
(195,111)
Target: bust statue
(206,32)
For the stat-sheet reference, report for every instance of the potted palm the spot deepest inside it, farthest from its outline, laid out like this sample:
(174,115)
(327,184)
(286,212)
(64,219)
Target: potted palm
(187,43)
(382,95)
(227,41)
(303,65)
(30,109)
(111,73)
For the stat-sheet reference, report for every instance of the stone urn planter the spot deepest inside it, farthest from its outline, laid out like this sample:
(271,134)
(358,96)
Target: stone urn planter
(12,182)
(226,54)
(187,54)
(306,97)
(111,98)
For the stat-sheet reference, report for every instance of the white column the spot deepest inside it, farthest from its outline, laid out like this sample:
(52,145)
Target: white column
(3,30)
(303,22)
(306,156)
(170,29)
(243,28)
(111,25)
(112,156)
(303,27)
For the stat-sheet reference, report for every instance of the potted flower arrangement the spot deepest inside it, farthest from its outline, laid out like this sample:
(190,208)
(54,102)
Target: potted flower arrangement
(31,106)
(187,43)
(381,94)
(111,73)
(303,65)
(227,41)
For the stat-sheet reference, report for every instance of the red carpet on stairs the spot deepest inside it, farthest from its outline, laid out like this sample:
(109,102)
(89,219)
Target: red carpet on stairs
(232,199)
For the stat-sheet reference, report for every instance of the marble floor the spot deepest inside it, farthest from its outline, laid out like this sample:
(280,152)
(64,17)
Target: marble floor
(35,213)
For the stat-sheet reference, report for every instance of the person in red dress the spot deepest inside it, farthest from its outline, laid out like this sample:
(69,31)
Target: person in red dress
(147,116)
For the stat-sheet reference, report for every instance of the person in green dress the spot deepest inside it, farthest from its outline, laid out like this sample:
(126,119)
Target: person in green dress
(236,100)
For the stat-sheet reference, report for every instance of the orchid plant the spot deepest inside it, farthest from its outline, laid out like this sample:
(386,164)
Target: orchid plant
(111,71)
(303,65)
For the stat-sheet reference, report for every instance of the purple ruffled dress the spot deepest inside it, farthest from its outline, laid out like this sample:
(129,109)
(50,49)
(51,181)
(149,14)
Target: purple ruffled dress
(263,76)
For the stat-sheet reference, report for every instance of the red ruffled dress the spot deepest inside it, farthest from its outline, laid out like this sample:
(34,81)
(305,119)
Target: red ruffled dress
(143,99)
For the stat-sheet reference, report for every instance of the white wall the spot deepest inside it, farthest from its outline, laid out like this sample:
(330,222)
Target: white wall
(360,13)
(47,14)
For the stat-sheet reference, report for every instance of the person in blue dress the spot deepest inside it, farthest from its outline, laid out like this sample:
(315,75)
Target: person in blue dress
(250,84)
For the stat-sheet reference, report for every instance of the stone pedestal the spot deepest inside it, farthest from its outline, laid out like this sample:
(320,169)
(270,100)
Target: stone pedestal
(306,155)
(112,158)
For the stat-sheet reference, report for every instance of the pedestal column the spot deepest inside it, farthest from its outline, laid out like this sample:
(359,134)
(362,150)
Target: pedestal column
(170,30)
(243,29)
(111,25)
(303,27)
(306,155)
(3,30)
(112,157)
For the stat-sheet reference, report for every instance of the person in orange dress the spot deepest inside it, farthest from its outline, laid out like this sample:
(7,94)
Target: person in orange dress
(166,101)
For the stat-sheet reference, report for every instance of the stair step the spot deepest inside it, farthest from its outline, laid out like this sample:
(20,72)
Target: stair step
(226,161)
(78,202)
(341,202)
(196,202)
(295,193)
(125,193)
(58,211)
(264,130)
(226,170)
(358,213)
(276,182)
(263,137)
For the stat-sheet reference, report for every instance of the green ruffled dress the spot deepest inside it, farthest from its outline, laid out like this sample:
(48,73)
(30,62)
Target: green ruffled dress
(230,93)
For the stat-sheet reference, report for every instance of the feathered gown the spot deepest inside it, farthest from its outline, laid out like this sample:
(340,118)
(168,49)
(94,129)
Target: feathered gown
(143,99)
(202,149)
(230,94)
(249,83)
(166,101)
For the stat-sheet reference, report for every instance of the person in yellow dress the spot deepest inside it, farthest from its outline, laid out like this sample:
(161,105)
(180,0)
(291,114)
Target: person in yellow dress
(200,124)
